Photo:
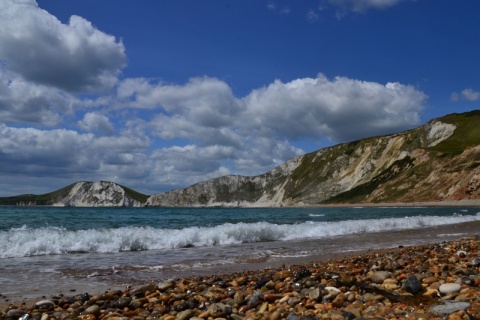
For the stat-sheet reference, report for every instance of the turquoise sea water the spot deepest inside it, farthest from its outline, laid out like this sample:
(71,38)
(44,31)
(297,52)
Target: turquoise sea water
(120,246)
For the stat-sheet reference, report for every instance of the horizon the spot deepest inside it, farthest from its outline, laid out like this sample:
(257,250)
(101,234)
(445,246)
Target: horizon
(159,96)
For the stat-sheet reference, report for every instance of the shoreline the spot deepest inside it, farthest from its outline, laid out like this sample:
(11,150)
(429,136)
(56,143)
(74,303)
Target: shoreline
(436,203)
(450,256)
(441,203)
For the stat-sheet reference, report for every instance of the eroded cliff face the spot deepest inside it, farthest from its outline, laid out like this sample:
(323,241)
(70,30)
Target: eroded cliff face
(360,167)
(402,167)
(97,194)
(232,191)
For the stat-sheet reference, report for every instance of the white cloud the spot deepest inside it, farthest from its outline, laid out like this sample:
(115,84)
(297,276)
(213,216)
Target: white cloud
(466,94)
(341,110)
(65,153)
(95,122)
(24,102)
(73,57)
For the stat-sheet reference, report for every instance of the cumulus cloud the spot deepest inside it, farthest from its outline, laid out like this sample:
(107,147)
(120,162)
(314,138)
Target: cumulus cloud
(24,102)
(95,122)
(73,57)
(314,108)
(466,94)
(67,153)
(341,109)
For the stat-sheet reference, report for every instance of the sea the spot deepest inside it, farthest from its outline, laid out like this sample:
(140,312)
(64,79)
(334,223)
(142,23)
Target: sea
(68,250)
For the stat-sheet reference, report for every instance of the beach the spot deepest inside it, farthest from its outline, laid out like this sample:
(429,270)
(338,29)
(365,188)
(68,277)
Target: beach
(435,276)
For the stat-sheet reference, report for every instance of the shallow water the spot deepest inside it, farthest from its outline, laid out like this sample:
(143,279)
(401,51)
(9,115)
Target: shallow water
(41,248)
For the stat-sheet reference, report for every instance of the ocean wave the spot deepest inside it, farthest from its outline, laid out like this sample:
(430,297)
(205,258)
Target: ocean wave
(25,241)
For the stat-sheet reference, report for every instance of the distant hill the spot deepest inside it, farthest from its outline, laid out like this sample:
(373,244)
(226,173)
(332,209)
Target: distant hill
(83,194)
(437,161)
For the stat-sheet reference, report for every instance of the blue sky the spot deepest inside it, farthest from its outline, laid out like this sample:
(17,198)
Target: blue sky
(158,95)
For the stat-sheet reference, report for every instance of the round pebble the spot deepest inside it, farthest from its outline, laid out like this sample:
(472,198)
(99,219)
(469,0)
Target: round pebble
(449,288)
(413,285)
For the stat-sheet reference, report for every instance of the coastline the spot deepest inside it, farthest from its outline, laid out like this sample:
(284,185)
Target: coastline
(435,203)
(406,245)
(440,203)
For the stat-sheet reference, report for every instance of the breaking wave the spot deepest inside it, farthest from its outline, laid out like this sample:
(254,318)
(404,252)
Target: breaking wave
(25,241)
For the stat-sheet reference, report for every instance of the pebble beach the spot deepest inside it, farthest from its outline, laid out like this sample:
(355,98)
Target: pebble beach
(430,281)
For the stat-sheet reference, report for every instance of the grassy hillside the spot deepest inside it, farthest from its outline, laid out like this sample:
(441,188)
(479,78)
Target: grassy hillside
(466,135)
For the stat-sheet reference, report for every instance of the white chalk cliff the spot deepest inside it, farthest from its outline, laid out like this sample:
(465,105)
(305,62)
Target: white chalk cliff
(97,194)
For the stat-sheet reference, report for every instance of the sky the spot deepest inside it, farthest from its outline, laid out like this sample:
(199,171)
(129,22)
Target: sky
(159,95)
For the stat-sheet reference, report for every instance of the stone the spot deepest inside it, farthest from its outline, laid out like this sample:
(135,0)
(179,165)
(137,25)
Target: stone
(449,307)
(14,313)
(315,294)
(185,315)
(92,310)
(140,292)
(412,285)
(164,286)
(44,305)
(338,301)
(461,253)
(379,276)
(137,303)
(476,262)
(253,302)
(449,288)
(123,302)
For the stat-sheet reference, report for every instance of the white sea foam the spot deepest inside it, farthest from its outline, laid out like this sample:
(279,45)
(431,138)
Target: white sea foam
(20,242)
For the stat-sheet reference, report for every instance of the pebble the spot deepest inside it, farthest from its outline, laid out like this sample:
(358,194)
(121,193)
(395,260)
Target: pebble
(164,286)
(449,307)
(449,288)
(418,282)
(476,262)
(413,285)
(379,276)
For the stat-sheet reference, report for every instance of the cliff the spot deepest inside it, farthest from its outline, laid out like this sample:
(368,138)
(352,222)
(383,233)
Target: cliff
(437,161)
